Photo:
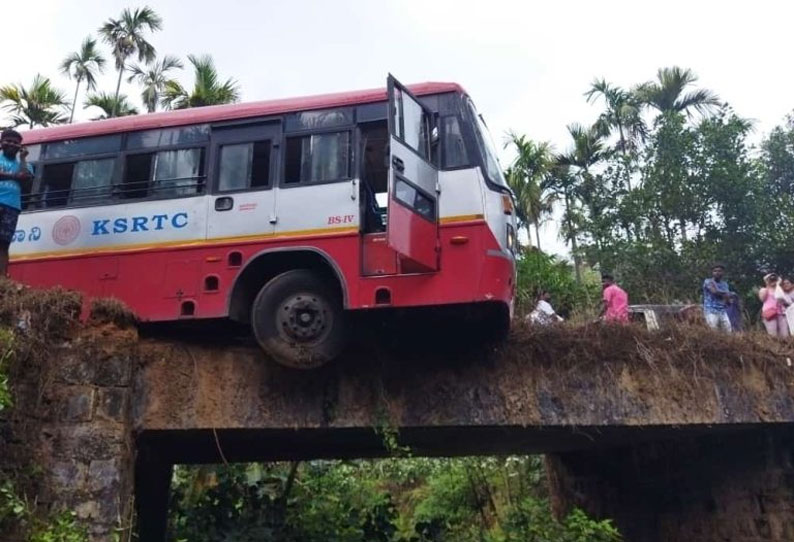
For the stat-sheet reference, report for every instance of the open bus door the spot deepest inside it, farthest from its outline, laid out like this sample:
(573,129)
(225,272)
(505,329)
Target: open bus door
(412,226)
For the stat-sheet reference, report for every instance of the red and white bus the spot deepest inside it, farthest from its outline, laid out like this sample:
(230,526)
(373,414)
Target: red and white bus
(283,214)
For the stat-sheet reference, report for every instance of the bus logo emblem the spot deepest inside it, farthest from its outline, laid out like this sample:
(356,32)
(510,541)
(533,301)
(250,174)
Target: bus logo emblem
(66,230)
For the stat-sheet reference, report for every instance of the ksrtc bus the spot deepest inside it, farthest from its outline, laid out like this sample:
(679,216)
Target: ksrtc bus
(283,214)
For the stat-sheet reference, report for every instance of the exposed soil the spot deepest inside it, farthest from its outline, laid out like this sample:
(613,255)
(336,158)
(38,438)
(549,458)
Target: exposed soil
(558,375)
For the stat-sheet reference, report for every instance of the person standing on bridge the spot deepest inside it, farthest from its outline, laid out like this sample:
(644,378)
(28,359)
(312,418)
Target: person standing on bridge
(773,309)
(13,173)
(716,298)
(615,307)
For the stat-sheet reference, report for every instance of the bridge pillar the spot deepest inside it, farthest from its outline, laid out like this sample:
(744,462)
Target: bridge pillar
(67,440)
(737,487)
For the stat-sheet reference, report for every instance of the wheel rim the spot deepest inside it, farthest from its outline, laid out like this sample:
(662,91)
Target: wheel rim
(304,318)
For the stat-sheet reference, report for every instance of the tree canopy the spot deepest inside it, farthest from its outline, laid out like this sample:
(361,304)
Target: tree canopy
(39,104)
(208,89)
(83,65)
(675,193)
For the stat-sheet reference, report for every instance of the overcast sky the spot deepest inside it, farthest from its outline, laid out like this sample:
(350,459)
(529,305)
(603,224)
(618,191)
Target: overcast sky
(525,64)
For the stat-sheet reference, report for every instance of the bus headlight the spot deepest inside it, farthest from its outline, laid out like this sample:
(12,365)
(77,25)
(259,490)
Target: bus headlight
(510,239)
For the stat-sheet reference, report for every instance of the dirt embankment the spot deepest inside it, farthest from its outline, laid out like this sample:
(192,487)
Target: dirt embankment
(550,376)
(683,373)
(558,376)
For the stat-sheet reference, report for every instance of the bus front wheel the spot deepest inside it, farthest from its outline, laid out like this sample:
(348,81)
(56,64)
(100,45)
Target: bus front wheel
(297,319)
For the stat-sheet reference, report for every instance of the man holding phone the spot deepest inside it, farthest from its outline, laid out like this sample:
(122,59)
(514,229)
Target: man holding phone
(13,172)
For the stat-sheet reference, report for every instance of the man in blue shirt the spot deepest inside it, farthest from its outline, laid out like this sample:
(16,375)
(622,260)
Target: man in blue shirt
(13,172)
(716,298)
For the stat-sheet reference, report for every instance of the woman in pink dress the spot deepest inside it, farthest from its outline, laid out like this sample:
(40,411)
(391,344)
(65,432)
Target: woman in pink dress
(772,312)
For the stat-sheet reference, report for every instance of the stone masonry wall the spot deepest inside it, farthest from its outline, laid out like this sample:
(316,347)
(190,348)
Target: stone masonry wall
(728,488)
(70,425)
(76,411)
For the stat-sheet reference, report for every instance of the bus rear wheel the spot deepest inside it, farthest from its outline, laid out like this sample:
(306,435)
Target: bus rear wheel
(297,319)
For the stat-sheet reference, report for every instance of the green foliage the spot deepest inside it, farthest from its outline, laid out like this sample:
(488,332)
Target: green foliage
(154,78)
(700,200)
(390,436)
(394,500)
(657,205)
(528,178)
(17,515)
(531,521)
(6,353)
(84,64)
(127,38)
(268,502)
(667,94)
(12,507)
(61,528)
(208,89)
(110,105)
(577,527)
(539,271)
(39,104)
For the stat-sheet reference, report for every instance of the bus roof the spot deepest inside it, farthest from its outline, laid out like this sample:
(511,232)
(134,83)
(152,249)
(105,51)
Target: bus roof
(218,113)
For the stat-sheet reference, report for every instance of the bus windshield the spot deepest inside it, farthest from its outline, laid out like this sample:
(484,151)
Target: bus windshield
(492,168)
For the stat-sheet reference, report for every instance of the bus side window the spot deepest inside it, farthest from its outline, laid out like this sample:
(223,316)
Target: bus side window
(30,191)
(318,158)
(137,174)
(178,173)
(172,173)
(244,165)
(92,181)
(86,182)
(454,147)
(56,184)
(412,124)
(29,194)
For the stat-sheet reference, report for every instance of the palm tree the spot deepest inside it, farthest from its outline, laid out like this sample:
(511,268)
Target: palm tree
(126,36)
(83,64)
(527,178)
(667,95)
(565,185)
(154,79)
(207,88)
(574,180)
(624,113)
(111,106)
(588,148)
(39,104)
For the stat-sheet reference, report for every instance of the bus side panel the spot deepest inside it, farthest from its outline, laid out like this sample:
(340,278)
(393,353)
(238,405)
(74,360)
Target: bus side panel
(155,283)
(472,271)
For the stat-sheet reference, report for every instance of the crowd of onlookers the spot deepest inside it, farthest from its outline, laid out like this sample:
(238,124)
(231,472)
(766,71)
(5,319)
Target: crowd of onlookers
(776,296)
(721,307)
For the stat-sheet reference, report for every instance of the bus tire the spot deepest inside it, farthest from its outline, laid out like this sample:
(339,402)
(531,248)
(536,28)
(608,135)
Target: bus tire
(297,318)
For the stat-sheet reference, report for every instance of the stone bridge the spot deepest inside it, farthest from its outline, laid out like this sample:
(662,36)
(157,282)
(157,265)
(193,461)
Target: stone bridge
(677,436)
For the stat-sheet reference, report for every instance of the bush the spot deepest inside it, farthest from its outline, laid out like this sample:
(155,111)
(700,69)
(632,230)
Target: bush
(531,520)
(6,352)
(539,271)
(62,527)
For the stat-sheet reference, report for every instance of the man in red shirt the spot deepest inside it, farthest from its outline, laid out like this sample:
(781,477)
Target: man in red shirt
(615,306)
